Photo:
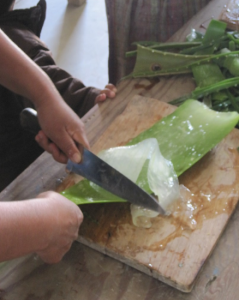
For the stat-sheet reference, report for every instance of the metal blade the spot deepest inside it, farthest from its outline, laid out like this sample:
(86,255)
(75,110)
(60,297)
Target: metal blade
(96,170)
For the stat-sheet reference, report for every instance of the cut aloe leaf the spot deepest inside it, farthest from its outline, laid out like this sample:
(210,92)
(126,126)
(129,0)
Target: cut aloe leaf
(84,192)
(143,164)
(184,137)
(189,133)
(151,63)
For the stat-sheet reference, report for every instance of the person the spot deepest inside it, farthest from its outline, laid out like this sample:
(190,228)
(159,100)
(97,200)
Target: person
(142,20)
(30,226)
(18,147)
(48,224)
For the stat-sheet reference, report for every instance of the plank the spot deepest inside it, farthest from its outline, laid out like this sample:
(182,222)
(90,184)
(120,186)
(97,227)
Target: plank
(165,251)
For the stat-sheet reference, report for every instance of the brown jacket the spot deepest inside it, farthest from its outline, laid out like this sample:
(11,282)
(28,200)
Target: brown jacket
(18,148)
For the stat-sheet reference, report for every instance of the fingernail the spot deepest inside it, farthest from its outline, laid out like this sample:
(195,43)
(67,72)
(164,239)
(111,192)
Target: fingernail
(76,158)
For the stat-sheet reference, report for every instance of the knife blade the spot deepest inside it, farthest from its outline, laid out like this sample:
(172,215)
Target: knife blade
(98,171)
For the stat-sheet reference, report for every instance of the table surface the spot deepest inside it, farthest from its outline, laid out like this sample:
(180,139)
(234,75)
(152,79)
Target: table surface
(87,274)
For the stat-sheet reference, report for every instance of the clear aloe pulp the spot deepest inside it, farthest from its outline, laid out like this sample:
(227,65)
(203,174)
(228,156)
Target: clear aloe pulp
(184,137)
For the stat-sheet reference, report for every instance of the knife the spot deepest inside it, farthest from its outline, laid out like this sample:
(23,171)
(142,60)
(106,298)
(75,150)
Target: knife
(96,170)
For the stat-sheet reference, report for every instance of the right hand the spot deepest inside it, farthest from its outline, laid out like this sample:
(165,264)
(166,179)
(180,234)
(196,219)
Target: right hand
(61,219)
(63,133)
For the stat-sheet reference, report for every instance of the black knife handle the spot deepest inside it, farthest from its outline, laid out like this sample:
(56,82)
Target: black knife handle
(29,121)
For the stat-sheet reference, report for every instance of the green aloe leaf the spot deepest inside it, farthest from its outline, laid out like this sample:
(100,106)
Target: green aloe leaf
(85,193)
(184,137)
(151,63)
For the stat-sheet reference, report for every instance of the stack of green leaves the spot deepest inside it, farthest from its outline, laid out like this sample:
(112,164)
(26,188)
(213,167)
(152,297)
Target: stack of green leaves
(212,58)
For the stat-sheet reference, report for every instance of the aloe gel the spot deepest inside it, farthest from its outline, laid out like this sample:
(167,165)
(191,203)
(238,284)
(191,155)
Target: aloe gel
(183,137)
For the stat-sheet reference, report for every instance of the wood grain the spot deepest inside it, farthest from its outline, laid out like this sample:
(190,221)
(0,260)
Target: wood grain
(164,251)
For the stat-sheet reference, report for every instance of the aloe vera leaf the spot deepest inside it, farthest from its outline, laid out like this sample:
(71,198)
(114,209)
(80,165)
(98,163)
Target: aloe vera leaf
(207,74)
(151,63)
(194,36)
(233,101)
(215,31)
(231,63)
(183,137)
(211,41)
(86,193)
(233,36)
(215,58)
(225,105)
(140,164)
(189,133)
(144,164)
(162,46)
(194,50)
(232,46)
(204,91)
(146,43)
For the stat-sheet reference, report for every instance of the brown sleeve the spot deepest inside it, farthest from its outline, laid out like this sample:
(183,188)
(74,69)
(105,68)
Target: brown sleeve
(79,97)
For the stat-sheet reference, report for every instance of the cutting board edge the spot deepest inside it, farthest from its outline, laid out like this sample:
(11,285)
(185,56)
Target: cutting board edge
(141,268)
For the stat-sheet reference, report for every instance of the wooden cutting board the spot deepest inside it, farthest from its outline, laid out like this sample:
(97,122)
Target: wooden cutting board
(166,251)
(230,14)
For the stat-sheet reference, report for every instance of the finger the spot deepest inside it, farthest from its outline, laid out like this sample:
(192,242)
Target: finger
(109,93)
(50,147)
(69,141)
(52,258)
(100,98)
(43,141)
(110,86)
(79,137)
(54,255)
(57,154)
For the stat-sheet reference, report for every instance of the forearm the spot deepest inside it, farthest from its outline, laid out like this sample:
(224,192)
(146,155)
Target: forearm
(21,75)
(22,228)
(46,225)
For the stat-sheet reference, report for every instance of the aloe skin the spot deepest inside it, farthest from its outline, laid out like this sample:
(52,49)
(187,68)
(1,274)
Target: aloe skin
(212,59)
(183,137)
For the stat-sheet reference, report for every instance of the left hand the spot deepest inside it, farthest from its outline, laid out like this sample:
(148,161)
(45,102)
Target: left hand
(108,92)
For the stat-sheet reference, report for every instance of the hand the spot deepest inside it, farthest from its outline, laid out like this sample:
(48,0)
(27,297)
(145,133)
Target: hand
(50,147)
(108,92)
(61,219)
(46,225)
(63,132)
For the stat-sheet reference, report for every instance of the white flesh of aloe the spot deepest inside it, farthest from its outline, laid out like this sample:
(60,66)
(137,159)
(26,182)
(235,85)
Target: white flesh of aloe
(183,138)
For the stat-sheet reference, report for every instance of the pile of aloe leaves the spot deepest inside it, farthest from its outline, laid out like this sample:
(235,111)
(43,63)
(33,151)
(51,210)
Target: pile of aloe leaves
(212,59)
